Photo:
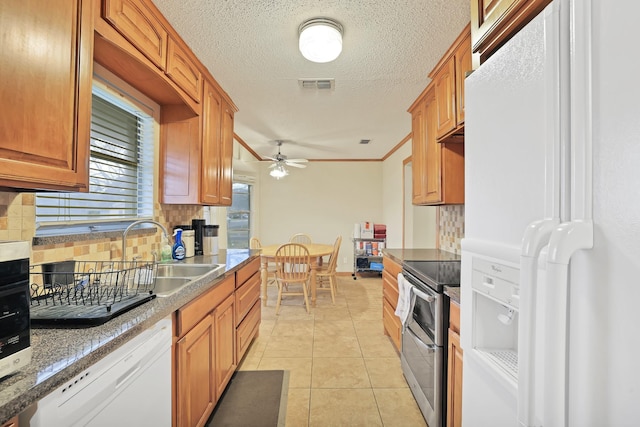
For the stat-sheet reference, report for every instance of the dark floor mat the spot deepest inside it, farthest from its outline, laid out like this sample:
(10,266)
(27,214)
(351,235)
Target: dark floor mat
(252,399)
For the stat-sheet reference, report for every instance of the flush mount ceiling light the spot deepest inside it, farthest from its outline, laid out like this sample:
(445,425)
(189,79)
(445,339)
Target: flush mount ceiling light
(279,172)
(320,39)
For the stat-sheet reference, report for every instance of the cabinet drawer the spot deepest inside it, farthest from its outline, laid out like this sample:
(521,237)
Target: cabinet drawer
(190,314)
(136,23)
(392,267)
(246,296)
(247,330)
(454,317)
(391,322)
(247,271)
(183,71)
(390,288)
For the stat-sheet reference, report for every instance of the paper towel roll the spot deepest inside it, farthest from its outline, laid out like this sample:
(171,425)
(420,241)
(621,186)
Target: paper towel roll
(356,230)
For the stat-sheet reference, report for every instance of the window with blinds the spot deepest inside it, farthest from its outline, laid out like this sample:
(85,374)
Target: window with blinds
(120,169)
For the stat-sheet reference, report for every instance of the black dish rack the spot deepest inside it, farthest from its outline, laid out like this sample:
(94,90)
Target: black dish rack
(88,293)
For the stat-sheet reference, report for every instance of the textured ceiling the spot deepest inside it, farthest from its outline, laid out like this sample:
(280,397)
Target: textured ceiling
(251,48)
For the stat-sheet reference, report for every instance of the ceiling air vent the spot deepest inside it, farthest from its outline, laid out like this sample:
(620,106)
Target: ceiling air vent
(317,84)
(365,141)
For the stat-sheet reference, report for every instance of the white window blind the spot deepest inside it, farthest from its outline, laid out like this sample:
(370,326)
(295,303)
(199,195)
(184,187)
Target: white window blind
(120,172)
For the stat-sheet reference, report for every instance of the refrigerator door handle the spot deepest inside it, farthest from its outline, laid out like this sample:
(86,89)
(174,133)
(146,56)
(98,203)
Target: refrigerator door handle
(535,238)
(565,240)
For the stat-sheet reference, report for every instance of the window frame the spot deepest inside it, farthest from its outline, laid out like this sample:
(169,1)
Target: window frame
(105,81)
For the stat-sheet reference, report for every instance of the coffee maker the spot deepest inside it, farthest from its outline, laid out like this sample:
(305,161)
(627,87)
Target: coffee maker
(198,226)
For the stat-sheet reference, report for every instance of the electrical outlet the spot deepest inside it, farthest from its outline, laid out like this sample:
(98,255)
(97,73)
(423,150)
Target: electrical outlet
(344,260)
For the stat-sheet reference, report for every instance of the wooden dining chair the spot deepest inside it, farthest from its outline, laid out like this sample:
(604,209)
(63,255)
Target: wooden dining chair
(293,270)
(254,243)
(326,275)
(301,238)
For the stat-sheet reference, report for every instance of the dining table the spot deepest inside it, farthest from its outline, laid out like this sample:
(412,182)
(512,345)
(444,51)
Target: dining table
(316,252)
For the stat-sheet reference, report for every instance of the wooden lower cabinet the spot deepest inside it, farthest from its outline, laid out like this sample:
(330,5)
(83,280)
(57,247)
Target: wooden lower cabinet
(13,422)
(247,330)
(212,335)
(391,322)
(225,343)
(454,370)
(195,355)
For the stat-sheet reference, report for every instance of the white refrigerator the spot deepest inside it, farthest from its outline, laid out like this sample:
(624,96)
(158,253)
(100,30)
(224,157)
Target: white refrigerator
(550,273)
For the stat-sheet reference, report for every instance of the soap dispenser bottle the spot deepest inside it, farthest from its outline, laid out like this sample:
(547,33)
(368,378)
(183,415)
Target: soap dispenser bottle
(178,251)
(167,253)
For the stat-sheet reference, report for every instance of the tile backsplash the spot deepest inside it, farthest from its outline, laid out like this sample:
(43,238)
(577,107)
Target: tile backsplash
(451,227)
(17,222)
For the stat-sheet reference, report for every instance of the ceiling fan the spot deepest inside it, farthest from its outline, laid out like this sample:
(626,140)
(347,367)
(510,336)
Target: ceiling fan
(280,160)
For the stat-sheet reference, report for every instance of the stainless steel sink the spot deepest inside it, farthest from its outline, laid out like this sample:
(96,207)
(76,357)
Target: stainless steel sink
(184,270)
(170,278)
(166,286)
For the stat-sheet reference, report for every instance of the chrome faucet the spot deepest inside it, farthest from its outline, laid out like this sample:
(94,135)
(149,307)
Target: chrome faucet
(133,224)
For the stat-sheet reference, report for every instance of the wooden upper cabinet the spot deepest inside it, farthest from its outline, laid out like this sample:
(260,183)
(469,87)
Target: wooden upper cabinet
(437,167)
(226,156)
(211,161)
(217,147)
(493,22)
(432,153)
(134,20)
(46,64)
(463,66)
(180,153)
(445,89)
(418,159)
(182,69)
(448,79)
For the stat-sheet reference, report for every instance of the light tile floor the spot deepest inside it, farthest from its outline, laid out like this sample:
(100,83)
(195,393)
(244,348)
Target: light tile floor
(343,370)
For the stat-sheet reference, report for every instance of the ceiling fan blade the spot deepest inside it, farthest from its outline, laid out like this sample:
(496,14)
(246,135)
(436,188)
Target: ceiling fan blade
(273,165)
(295,165)
(270,158)
(298,160)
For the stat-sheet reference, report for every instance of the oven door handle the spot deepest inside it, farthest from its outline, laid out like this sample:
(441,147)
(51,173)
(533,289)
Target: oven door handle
(424,296)
(421,343)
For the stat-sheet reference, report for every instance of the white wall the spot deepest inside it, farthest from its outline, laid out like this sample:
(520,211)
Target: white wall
(392,194)
(420,221)
(324,200)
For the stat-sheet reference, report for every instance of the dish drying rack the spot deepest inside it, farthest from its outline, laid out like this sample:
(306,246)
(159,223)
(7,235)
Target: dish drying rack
(89,292)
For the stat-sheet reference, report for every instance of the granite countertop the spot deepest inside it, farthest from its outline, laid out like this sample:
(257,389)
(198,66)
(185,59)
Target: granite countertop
(60,354)
(401,255)
(453,293)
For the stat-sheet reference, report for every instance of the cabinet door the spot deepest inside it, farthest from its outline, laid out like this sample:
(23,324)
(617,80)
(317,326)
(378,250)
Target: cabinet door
(463,64)
(183,70)
(179,157)
(225,343)
(432,154)
(226,156)
(392,325)
(46,65)
(445,83)
(211,161)
(195,377)
(137,24)
(454,381)
(418,143)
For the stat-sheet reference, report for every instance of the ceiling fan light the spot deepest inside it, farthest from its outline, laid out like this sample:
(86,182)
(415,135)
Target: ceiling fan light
(320,40)
(279,172)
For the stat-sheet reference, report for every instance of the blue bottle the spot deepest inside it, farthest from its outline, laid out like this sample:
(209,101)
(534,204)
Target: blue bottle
(178,251)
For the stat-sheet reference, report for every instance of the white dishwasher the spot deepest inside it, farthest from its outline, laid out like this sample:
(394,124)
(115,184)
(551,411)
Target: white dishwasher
(129,387)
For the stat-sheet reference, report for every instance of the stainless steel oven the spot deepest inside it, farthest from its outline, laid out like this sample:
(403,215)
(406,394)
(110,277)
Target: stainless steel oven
(15,333)
(424,337)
